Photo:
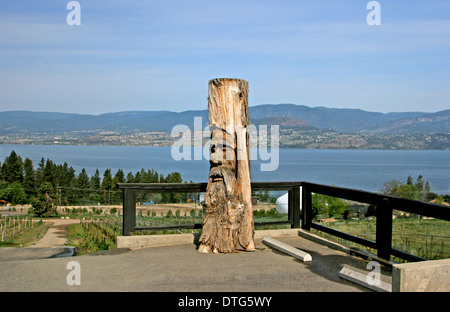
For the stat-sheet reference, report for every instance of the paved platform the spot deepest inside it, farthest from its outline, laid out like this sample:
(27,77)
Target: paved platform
(180,268)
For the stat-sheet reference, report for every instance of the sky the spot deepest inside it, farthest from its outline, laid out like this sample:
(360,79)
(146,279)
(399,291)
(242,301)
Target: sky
(147,55)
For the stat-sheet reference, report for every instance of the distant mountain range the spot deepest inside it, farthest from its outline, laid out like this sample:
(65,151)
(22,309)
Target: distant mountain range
(285,115)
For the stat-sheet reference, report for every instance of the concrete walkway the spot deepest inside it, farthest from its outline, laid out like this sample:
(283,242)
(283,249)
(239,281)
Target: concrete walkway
(182,268)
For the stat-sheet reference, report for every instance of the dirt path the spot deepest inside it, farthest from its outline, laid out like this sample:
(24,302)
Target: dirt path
(56,235)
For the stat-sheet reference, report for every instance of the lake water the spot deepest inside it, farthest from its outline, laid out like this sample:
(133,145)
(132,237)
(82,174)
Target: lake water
(358,169)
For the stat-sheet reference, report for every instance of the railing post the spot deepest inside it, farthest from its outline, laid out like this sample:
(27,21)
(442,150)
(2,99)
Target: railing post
(291,205)
(384,229)
(296,207)
(129,211)
(306,208)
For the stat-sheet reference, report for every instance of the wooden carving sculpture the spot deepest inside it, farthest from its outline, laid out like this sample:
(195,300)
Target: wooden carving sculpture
(227,208)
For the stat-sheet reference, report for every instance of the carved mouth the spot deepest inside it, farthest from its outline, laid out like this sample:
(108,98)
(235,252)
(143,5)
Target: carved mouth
(216,174)
(217,178)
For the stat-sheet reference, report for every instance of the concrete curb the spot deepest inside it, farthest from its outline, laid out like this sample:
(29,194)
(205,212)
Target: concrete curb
(361,279)
(143,241)
(285,248)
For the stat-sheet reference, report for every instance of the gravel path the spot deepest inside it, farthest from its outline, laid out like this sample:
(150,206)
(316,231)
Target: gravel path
(56,235)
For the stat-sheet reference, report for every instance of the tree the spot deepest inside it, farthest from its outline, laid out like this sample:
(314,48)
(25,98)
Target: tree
(47,191)
(420,184)
(38,207)
(410,190)
(95,181)
(63,175)
(107,180)
(106,186)
(40,171)
(29,178)
(409,181)
(83,185)
(337,207)
(130,177)
(15,194)
(12,168)
(44,201)
(119,177)
(138,178)
(319,207)
(427,188)
(398,189)
(47,173)
(64,180)
(153,176)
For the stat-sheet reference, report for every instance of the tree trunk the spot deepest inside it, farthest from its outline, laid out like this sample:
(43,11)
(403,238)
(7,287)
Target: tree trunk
(227,209)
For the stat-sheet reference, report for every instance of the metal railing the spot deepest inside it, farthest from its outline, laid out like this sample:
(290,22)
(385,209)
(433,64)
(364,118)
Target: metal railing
(300,210)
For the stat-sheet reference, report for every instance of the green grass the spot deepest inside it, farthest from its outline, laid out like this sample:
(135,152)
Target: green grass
(88,238)
(27,237)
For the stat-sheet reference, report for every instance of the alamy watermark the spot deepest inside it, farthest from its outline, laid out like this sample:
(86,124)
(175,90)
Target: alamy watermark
(374,276)
(74,276)
(192,146)
(74,16)
(374,16)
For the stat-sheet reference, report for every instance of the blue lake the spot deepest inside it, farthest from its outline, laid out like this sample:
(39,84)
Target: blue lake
(359,169)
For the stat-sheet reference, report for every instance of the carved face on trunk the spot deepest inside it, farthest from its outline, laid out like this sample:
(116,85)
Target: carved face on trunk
(222,158)
(223,149)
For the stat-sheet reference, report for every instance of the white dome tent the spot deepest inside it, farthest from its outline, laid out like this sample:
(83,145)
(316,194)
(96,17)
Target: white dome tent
(282,204)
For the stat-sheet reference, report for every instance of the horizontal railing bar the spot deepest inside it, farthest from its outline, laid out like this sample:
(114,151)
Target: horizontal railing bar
(344,193)
(421,208)
(275,186)
(405,255)
(396,203)
(343,235)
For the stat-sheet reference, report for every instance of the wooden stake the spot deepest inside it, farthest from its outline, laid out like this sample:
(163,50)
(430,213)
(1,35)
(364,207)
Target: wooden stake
(227,210)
